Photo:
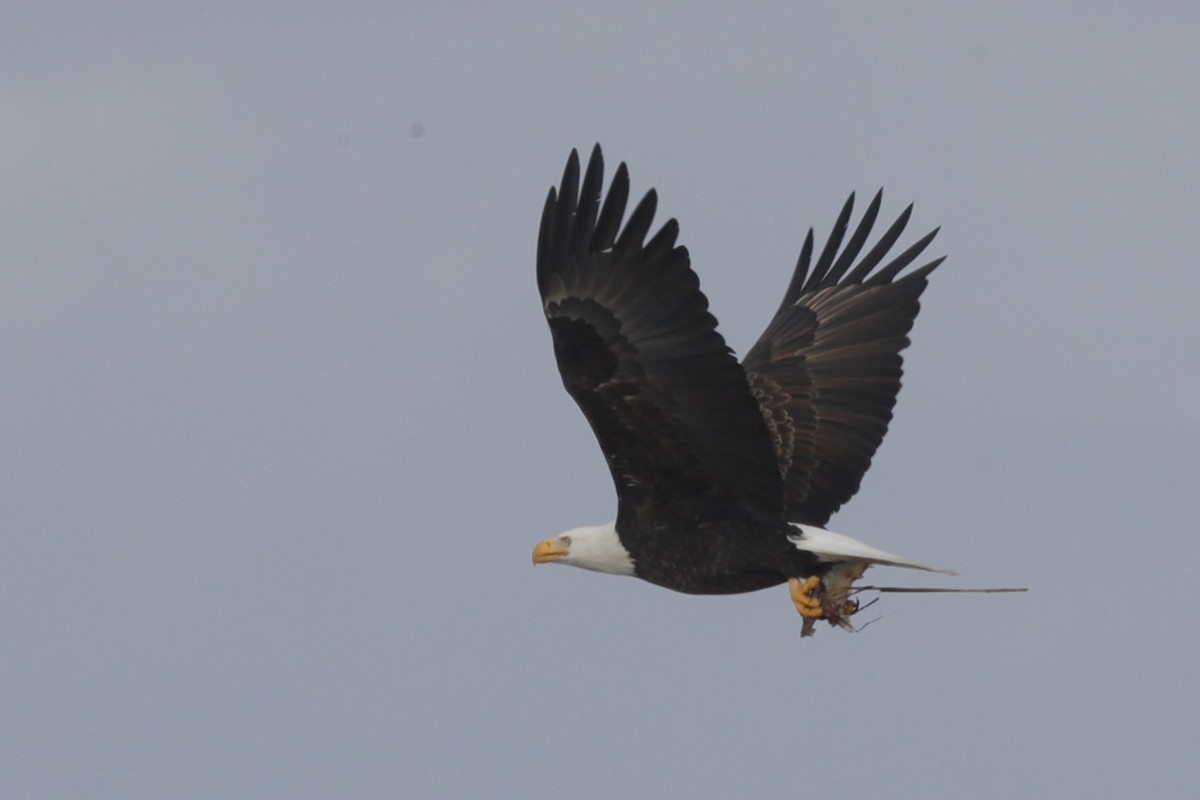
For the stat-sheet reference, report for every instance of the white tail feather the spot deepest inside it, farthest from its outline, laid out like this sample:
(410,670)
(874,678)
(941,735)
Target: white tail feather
(830,546)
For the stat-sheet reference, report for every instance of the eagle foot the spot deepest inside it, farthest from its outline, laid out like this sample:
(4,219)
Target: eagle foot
(806,595)
(815,603)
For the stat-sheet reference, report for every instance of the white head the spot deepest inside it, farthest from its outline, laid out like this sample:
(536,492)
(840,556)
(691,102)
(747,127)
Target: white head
(596,547)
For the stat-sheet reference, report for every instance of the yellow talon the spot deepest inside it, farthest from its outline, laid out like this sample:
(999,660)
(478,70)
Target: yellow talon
(806,595)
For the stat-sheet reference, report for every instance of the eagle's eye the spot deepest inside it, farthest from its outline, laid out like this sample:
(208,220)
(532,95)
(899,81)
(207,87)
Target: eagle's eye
(566,541)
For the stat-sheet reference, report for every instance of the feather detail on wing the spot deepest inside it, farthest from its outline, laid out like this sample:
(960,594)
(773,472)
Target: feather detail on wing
(639,352)
(827,369)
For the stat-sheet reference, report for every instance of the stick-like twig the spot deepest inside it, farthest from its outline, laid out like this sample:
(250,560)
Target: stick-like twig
(915,589)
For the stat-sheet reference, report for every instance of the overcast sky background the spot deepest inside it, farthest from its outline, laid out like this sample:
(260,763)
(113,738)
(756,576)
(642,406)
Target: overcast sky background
(281,421)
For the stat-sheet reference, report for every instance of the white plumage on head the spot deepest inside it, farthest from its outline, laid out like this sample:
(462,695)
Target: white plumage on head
(594,547)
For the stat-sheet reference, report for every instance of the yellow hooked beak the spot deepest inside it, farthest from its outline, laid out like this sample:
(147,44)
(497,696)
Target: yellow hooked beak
(548,551)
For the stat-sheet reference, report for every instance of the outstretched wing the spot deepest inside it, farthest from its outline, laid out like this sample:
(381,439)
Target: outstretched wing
(640,353)
(827,369)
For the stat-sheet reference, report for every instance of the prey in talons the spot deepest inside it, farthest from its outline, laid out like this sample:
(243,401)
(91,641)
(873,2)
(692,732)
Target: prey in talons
(827,598)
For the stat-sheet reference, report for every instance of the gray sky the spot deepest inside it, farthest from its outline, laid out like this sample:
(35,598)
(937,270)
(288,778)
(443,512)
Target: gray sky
(282,423)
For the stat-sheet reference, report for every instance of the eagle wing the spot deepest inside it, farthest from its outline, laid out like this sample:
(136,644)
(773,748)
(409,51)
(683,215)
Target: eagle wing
(640,353)
(826,371)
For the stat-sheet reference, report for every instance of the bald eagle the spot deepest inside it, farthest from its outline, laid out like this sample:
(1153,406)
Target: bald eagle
(726,474)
